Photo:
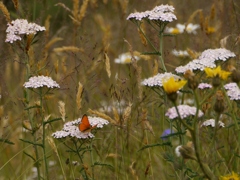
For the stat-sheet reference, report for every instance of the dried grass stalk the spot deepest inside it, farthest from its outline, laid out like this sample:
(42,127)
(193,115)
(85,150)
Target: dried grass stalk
(102,115)
(75,8)
(213,12)
(68,48)
(5,12)
(116,115)
(155,67)
(63,6)
(79,96)
(15,3)
(107,64)
(141,35)
(193,15)
(61,107)
(83,10)
(127,113)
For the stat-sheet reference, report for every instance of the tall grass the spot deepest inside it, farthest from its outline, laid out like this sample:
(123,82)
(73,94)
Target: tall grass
(78,50)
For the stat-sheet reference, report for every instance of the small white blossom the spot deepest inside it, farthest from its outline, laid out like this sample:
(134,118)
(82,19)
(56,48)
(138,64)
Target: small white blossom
(157,80)
(204,86)
(211,122)
(19,27)
(180,53)
(70,129)
(179,29)
(233,91)
(184,111)
(191,28)
(40,81)
(177,150)
(125,58)
(162,13)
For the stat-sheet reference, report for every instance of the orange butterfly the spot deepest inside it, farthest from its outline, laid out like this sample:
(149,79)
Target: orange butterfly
(85,126)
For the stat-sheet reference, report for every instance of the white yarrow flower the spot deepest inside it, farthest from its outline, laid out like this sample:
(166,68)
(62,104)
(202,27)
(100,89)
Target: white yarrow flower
(70,129)
(162,13)
(184,111)
(157,80)
(233,91)
(41,81)
(20,27)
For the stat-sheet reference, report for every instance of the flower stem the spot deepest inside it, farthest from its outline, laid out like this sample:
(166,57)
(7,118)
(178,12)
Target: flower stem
(44,133)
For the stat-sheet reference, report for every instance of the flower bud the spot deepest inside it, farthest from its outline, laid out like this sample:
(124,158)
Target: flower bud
(219,104)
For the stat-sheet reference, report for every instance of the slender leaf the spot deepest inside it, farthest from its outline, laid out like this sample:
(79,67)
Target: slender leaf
(30,142)
(6,141)
(153,145)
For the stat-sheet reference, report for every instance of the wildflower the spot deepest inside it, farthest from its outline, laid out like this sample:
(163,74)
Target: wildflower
(233,91)
(158,79)
(217,72)
(184,112)
(171,85)
(162,13)
(217,54)
(40,81)
(191,28)
(204,86)
(232,176)
(185,151)
(125,58)
(179,29)
(20,27)
(70,129)
(206,59)
(211,122)
(180,53)
(166,133)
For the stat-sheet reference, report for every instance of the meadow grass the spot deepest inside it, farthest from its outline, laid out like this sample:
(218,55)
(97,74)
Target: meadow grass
(117,71)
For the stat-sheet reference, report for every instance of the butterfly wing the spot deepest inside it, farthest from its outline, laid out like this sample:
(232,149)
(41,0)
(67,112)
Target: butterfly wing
(84,125)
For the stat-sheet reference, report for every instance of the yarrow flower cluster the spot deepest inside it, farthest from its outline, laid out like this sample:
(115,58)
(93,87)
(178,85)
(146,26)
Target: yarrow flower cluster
(158,79)
(125,58)
(40,81)
(184,111)
(233,91)
(204,86)
(71,128)
(206,59)
(211,122)
(19,27)
(159,13)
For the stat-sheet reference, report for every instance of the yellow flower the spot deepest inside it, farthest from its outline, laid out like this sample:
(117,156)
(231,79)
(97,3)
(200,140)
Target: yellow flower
(217,72)
(233,176)
(172,86)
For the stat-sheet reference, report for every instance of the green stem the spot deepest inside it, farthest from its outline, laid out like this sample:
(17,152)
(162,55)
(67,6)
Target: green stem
(195,137)
(92,159)
(44,133)
(161,50)
(80,157)
(32,122)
